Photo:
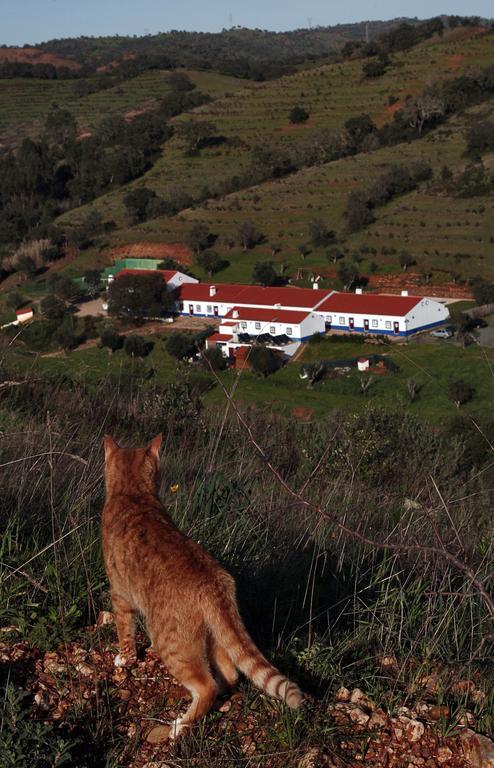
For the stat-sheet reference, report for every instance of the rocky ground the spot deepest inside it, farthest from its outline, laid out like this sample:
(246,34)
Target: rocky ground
(79,681)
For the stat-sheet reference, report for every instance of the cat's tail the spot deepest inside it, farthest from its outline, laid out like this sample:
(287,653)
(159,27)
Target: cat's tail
(230,634)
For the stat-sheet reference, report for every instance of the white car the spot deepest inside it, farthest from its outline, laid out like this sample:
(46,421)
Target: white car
(442,333)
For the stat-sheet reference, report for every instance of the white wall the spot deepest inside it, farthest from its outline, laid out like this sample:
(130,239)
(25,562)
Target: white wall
(313,323)
(427,313)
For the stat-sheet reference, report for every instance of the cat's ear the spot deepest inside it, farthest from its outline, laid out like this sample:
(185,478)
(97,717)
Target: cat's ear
(110,446)
(154,447)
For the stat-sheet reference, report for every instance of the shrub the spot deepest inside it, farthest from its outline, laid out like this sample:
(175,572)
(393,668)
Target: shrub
(298,115)
(264,360)
(460,392)
(215,358)
(52,307)
(112,340)
(180,345)
(136,346)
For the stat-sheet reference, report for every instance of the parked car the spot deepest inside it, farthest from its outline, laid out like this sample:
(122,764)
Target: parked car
(442,333)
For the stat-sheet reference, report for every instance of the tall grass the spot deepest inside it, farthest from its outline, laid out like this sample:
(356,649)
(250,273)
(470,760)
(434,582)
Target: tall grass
(330,608)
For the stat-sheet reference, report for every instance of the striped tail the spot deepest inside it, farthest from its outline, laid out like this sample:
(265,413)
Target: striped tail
(229,632)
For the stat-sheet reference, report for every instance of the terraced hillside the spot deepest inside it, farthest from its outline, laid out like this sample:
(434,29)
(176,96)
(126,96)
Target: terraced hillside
(331,94)
(425,222)
(25,102)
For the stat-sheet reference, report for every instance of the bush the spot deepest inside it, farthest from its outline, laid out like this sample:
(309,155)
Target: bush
(215,358)
(112,340)
(52,307)
(264,360)
(298,115)
(136,346)
(180,345)
(460,392)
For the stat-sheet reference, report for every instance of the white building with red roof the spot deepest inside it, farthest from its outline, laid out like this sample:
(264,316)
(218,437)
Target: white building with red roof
(171,277)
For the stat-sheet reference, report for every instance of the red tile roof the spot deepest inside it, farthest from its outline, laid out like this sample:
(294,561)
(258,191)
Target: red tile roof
(267,315)
(370,304)
(220,337)
(23,311)
(228,293)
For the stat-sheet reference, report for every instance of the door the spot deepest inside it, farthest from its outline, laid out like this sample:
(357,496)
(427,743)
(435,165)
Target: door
(396,327)
(366,325)
(191,309)
(351,323)
(215,310)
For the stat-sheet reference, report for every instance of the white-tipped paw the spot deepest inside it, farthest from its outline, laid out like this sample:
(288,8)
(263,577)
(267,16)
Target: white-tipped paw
(177,727)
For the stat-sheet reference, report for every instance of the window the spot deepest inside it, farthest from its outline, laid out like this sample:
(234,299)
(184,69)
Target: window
(272,330)
(258,326)
(388,324)
(243,324)
(374,323)
(210,309)
(342,321)
(289,331)
(198,307)
(329,318)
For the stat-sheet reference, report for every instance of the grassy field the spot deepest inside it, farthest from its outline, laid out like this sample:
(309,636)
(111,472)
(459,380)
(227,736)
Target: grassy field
(433,365)
(331,94)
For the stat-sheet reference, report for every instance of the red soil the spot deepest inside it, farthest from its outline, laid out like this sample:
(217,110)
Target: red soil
(35,56)
(294,127)
(304,414)
(178,251)
(455,60)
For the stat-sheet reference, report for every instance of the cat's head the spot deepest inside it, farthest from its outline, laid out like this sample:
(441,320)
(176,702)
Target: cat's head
(131,469)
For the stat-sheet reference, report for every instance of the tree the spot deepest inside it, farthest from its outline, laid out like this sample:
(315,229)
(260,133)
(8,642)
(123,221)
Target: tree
(139,296)
(334,255)
(92,278)
(248,235)
(264,360)
(374,69)
(138,203)
(264,273)
(210,261)
(303,249)
(298,115)
(319,233)
(65,335)
(215,358)
(112,340)
(27,265)
(423,110)
(194,134)
(179,81)
(15,300)
(357,129)
(135,346)
(52,307)
(358,212)
(406,260)
(348,274)
(60,126)
(198,237)
(460,392)
(65,288)
(180,345)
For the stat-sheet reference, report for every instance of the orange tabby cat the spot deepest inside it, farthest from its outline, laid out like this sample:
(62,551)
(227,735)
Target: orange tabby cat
(188,601)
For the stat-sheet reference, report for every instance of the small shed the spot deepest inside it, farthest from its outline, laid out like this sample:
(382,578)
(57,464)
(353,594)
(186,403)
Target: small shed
(23,315)
(363,363)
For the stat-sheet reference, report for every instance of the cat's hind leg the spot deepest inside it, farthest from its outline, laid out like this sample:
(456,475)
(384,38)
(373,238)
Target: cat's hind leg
(125,616)
(193,674)
(224,667)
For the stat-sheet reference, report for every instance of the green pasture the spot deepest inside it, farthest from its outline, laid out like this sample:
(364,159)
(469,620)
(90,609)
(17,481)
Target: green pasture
(432,364)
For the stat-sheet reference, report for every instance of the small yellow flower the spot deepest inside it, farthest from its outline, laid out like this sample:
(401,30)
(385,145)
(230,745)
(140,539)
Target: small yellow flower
(174,487)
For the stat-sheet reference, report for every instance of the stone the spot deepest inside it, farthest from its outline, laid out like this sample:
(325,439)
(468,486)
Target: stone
(342,694)
(84,669)
(378,719)
(105,617)
(358,716)
(158,734)
(438,713)
(360,698)
(414,730)
(478,749)
(444,755)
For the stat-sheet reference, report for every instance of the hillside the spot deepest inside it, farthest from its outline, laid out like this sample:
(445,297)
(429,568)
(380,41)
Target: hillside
(283,208)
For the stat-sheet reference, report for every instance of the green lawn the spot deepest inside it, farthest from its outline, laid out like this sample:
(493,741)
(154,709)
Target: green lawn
(432,365)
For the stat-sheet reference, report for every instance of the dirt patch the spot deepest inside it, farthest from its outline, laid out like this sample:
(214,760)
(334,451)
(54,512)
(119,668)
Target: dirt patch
(290,127)
(178,251)
(36,56)
(413,283)
(455,60)
(129,116)
(304,414)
